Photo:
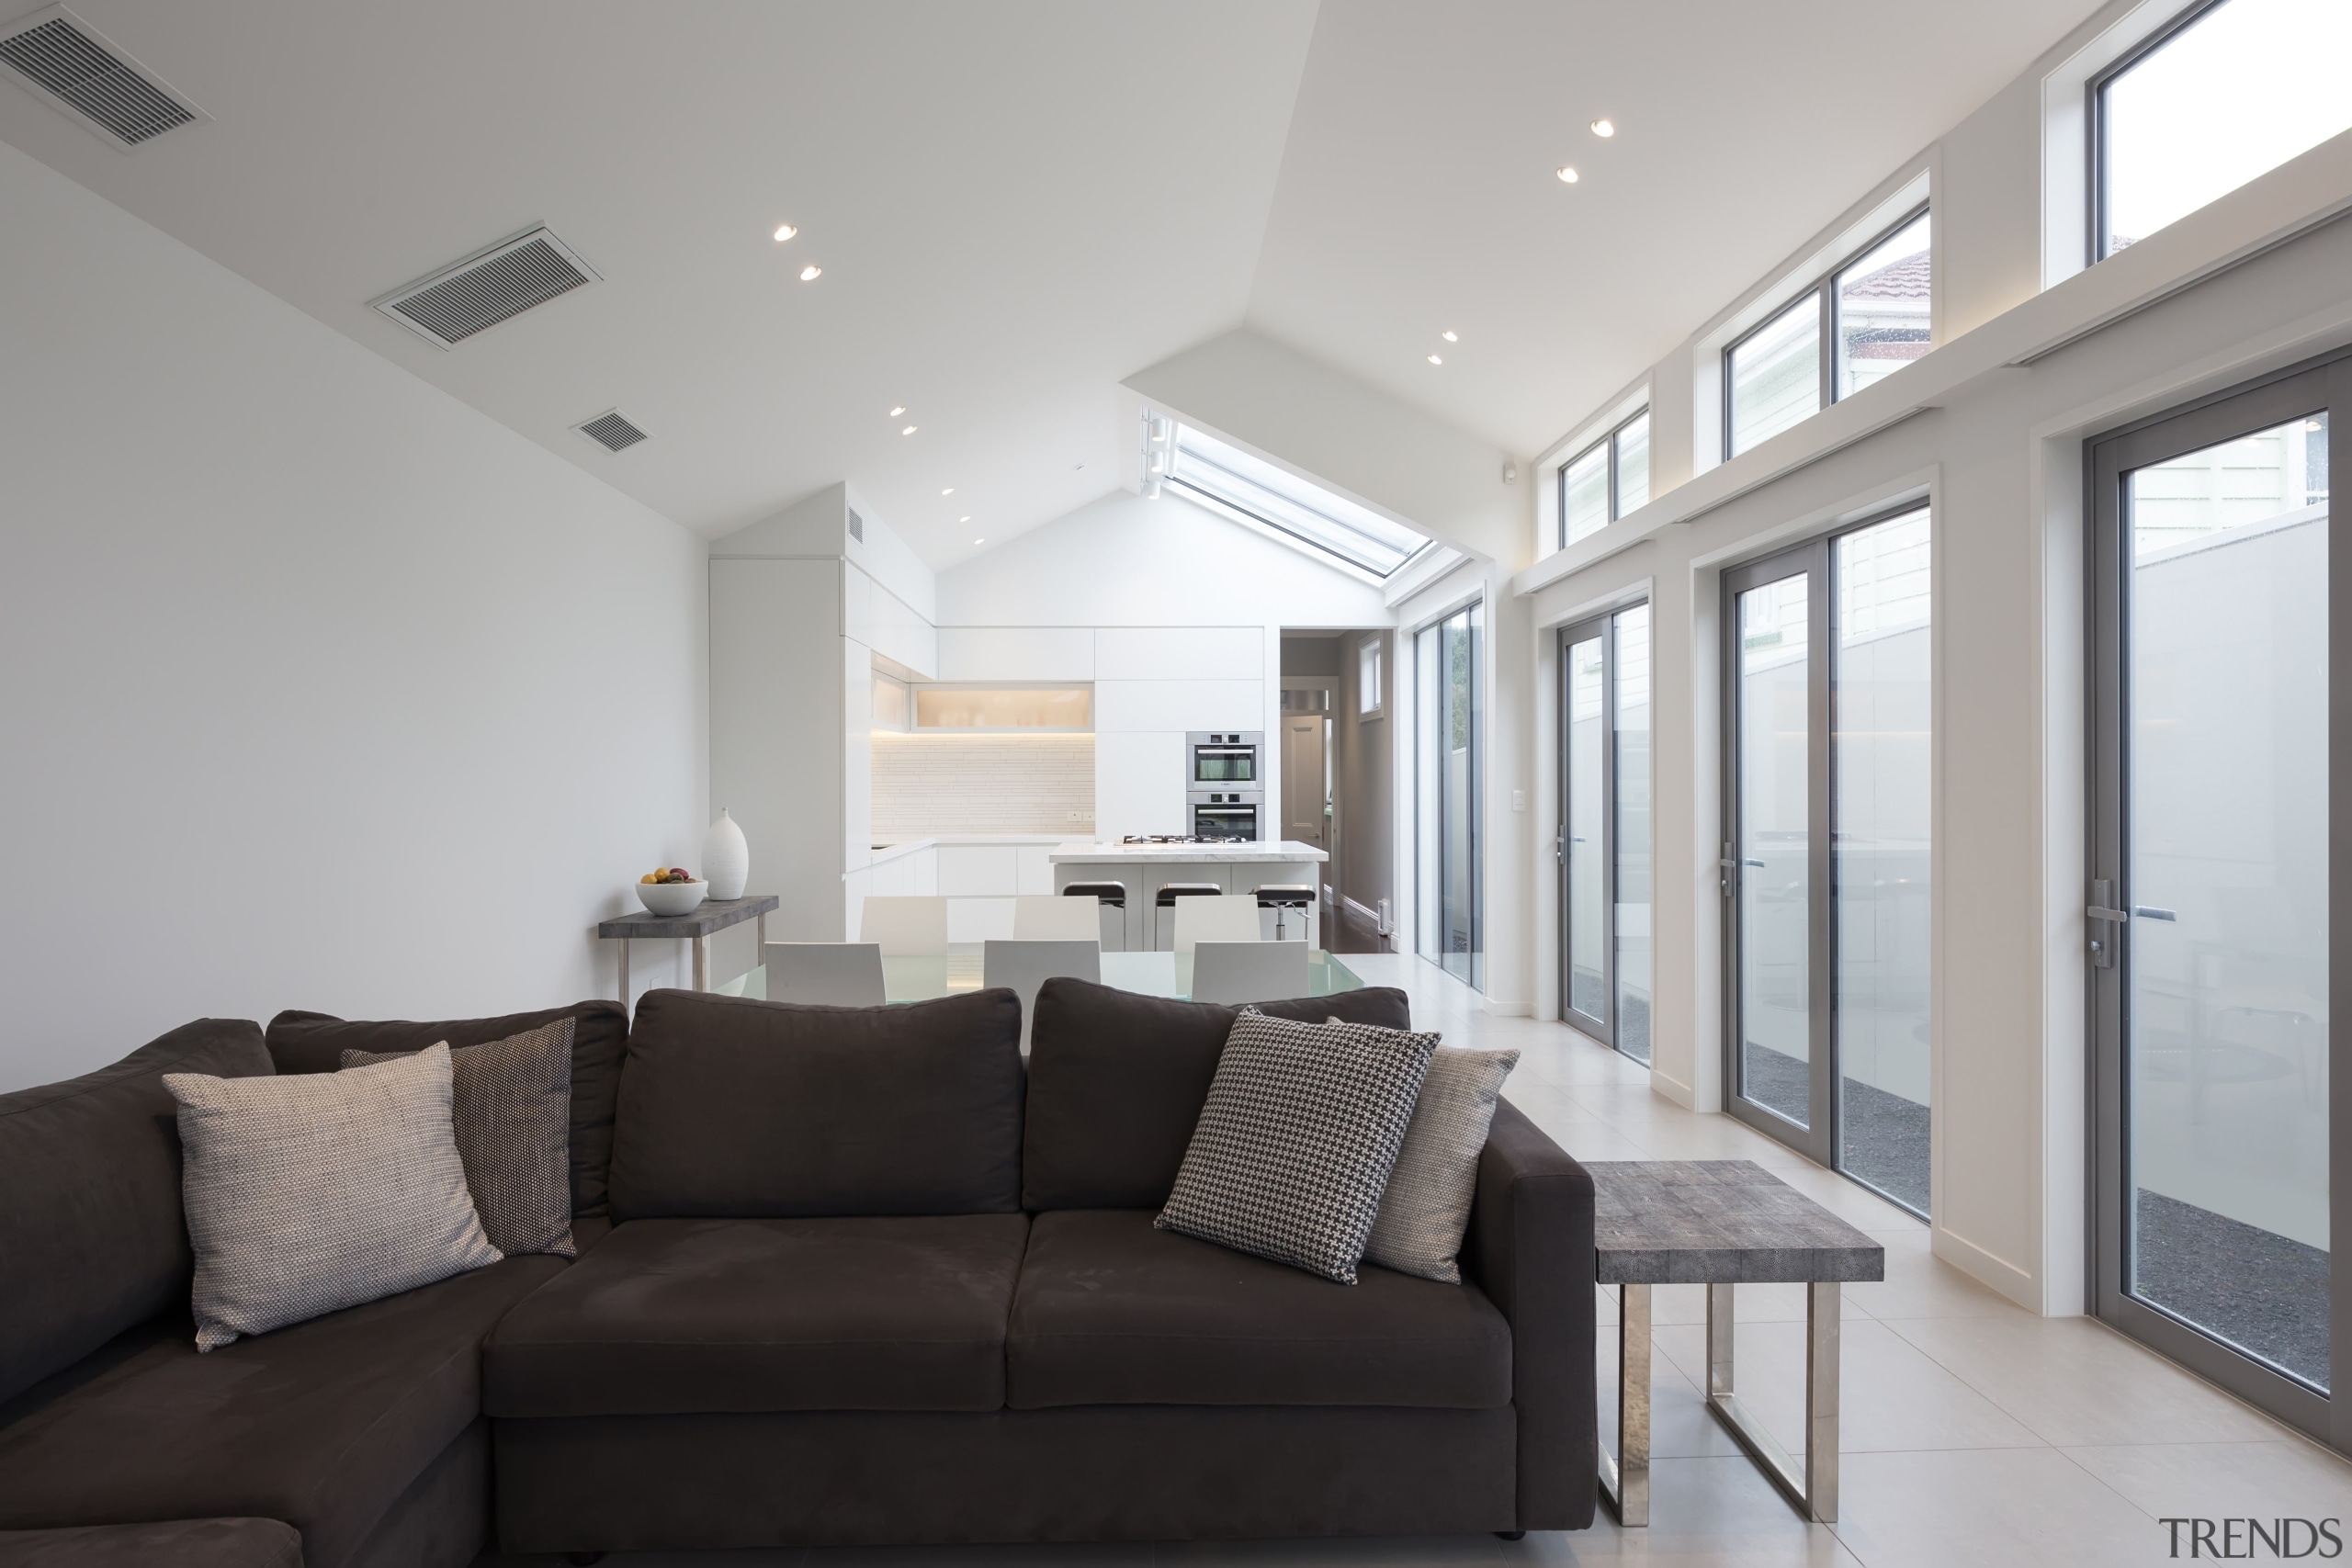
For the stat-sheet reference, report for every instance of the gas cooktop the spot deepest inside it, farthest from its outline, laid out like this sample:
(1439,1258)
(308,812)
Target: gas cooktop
(1170,839)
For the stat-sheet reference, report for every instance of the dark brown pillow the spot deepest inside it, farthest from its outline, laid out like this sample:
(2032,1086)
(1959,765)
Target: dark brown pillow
(511,1103)
(1116,1081)
(316,1041)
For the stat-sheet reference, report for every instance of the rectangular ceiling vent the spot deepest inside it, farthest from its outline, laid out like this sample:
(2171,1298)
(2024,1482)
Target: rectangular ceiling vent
(612,431)
(490,286)
(63,55)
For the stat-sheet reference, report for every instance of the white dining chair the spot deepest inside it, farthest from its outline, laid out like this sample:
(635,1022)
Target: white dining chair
(830,974)
(1022,966)
(1228,917)
(1233,971)
(904,926)
(1048,916)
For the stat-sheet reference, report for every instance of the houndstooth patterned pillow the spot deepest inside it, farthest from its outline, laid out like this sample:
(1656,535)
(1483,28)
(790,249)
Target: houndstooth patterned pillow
(316,1191)
(1426,1206)
(1294,1143)
(511,1102)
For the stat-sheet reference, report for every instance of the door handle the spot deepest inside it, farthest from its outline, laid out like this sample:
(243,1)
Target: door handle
(2150,912)
(2106,921)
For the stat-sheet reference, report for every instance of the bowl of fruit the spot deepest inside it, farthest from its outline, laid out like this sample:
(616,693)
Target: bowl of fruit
(670,891)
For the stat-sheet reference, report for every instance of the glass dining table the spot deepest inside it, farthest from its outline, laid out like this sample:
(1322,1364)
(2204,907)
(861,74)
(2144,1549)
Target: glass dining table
(915,977)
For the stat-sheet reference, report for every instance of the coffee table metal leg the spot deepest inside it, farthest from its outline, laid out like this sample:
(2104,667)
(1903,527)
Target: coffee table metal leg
(1625,1475)
(624,975)
(1812,1487)
(1824,1310)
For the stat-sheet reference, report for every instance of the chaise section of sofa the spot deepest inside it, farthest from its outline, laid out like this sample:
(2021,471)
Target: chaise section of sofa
(360,1431)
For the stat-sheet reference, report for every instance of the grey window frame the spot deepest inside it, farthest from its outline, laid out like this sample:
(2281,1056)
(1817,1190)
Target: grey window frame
(1615,507)
(1824,288)
(2096,146)
(2325,383)
(1822,1138)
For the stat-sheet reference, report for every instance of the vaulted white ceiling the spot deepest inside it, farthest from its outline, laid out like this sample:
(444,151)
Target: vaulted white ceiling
(1018,203)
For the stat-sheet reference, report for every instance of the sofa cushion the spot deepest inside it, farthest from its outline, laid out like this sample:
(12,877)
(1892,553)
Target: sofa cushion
(1111,1311)
(90,1230)
(741,1109)
(322,1424)
(511,1102)
(183,1543)
(316,1041)
(1116,1082)
(694,1316)
(313,1192)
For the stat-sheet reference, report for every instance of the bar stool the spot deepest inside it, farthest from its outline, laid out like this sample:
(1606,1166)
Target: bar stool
(1109,895)
(1166,899)
(1282,897)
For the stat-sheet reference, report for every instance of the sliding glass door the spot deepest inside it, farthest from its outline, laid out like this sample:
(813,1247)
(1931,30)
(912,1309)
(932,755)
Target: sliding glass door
(1828,722)
(1604,838)
(1446,745)
(2214,652)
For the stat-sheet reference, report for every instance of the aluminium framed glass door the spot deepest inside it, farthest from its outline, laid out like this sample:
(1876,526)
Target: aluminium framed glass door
(1604,831)
(1448,739)
(2216,662)
(1825,865)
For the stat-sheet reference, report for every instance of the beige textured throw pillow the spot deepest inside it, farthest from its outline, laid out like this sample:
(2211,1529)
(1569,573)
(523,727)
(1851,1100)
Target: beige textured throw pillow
(1426,1206)
(511,1102)
(316,1191)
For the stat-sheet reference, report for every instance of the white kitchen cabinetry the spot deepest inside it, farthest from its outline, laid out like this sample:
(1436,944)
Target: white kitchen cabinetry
(1179,706)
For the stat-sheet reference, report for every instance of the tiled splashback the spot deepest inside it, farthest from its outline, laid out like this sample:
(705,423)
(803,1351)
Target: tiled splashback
(984,784)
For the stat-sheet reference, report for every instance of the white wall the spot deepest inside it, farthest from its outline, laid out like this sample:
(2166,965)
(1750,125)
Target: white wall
(317,689)
(1173,613)
(1992,428)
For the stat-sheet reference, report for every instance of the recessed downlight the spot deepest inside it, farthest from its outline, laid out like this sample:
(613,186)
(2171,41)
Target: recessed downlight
(1435,360)
(1449,337)
(963,520)
(980,541)
(909,430)
(1604,129)
(1567,173)
(896,412)
(785,231)
(812,272)
(949,490)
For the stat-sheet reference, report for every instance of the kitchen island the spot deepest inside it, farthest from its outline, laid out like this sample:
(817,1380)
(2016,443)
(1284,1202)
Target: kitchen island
(1143,869)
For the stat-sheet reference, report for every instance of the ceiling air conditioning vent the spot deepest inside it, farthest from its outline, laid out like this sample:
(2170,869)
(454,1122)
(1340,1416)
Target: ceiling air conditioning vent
(490,286)
(612,431)
(73,62)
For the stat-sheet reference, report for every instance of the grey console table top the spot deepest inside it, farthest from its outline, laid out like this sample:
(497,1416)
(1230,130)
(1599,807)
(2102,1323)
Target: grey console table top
(711,915)
(1714,1222)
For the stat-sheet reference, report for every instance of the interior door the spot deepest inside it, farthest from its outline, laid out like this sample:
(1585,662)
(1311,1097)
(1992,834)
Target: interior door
(2216,659)
(1586,863)
(1306,780)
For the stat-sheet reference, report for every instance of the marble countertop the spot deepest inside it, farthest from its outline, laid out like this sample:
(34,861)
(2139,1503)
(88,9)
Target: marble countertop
(1286,851)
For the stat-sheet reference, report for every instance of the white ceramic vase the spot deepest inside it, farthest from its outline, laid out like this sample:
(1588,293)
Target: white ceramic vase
(726,858)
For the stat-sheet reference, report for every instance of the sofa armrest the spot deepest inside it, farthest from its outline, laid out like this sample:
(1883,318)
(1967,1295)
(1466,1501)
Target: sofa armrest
(1529,1248)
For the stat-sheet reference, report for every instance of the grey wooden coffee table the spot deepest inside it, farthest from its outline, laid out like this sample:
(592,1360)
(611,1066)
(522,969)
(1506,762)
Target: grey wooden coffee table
(1721,1224)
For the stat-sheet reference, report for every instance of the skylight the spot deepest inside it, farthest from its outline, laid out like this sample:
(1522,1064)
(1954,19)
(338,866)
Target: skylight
(1232,482)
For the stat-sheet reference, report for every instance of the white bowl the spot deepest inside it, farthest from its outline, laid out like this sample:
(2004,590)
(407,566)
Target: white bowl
(672,897)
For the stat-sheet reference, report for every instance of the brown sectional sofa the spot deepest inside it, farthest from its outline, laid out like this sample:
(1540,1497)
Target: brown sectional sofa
(869,1278)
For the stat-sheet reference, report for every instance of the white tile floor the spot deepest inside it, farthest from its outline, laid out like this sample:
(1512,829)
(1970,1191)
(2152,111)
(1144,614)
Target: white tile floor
(1975,1433)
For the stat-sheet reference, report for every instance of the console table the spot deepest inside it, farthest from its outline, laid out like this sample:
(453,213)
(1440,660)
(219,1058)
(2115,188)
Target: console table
(1721,1224)
(706,921)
